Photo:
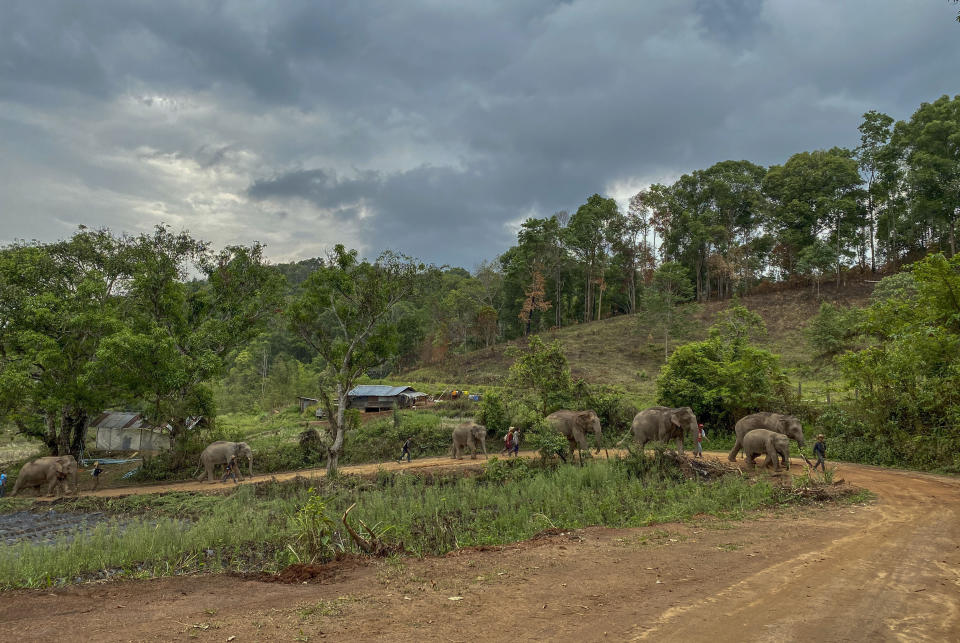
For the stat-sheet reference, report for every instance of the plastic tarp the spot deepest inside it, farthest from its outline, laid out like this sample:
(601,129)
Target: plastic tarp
(118,439)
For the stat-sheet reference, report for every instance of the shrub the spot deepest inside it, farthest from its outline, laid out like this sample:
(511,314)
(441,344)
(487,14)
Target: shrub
(493,413)
(833,329)
(317,538)
(721,381)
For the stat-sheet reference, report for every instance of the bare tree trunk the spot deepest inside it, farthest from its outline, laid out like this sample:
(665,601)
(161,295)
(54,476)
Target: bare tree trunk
(333,456)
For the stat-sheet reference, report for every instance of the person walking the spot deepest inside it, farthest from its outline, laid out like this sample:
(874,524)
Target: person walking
(516,442)
(820,450)
(96,474)
(698,447)
(3,483)
(231,470)
(508,441)
(405,450)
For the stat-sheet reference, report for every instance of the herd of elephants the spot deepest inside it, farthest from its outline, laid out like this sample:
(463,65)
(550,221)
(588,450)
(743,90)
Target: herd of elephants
(762,433)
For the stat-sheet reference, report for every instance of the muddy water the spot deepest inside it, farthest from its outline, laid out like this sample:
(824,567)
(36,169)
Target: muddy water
(48,527)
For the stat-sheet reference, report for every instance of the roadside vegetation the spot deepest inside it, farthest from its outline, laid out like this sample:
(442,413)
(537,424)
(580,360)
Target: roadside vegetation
(256,528)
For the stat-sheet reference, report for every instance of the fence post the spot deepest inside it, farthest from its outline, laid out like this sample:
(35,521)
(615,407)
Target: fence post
(799,390)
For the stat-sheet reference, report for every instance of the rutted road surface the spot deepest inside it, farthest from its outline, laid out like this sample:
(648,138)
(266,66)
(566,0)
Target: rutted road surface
(889,571)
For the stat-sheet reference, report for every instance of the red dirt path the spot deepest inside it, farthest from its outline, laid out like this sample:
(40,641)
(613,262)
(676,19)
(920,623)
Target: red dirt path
(882,572)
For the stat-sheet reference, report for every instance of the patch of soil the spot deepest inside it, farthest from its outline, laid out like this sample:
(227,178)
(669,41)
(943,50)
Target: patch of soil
(304,573)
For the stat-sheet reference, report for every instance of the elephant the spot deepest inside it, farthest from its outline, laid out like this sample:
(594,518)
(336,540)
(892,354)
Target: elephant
(574,426)
(776,422)
(775,445)
(662,424)
(220,452)
(45,470)
(469,435)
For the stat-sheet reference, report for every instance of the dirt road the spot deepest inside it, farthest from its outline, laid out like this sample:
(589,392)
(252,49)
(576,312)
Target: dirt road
(883,572)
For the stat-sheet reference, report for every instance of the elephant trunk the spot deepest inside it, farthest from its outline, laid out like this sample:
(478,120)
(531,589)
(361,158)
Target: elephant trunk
(250,462)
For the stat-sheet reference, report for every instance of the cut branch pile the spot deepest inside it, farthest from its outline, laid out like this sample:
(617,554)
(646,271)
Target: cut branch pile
(374,545)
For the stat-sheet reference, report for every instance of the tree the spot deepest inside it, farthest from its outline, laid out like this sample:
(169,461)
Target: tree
(929,147)
(344,313)
(586,236)
(535,301)
(179,332)
(874,135)
(542,371)
(59,302)
(664,306)
(722,378)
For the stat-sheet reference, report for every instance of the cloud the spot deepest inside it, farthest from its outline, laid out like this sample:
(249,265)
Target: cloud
(422,127)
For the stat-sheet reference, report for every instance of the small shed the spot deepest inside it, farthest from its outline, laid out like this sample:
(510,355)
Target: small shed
(379,397)
(124,431)
(304,402)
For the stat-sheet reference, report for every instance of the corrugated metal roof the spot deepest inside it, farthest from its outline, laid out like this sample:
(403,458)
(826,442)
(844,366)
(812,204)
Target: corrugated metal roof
(378,390)
(117,420)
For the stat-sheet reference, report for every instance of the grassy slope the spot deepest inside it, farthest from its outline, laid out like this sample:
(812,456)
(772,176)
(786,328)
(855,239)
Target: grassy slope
(617,352)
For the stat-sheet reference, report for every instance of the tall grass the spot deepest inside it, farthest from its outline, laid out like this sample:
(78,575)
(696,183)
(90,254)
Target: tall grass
(251,527)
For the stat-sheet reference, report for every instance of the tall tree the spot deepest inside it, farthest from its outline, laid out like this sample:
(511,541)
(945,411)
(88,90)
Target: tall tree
(929,146)
(586,235)
(815,194)
(344,312)
(874,135)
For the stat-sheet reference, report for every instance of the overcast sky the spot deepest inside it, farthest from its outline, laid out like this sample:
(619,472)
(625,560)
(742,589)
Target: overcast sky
(428,127)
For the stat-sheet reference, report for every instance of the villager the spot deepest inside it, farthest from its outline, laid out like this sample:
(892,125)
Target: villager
(508,441)
(231,470)
(820,450)
(96,474)
(3,483)
(405,451)
(698,447)
(516,442)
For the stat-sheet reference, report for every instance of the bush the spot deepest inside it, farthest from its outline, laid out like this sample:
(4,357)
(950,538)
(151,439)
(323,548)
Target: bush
(721,381)
(316,535)
(833,329)
(493,414)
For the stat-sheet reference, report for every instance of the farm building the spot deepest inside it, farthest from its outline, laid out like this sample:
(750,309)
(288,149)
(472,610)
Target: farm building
(378,397)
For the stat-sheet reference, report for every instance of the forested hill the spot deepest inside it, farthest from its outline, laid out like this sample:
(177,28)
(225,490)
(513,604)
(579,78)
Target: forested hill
(622,351)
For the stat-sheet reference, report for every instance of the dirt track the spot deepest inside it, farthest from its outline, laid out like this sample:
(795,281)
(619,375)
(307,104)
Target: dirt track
(888,571)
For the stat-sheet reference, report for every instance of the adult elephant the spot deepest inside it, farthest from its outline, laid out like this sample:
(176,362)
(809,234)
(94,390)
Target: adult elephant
(787,425)
(775,445)
(220,452)
(469,435)
(574,425)
(664,423)
(48,470)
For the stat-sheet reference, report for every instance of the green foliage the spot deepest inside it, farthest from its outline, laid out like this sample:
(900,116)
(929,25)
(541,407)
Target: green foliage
(546,441)
(493,413)
(317,538)
(542,372)
(738,324)
(908,382)
(251,528)
(346,313)
(722,378)
(834,329)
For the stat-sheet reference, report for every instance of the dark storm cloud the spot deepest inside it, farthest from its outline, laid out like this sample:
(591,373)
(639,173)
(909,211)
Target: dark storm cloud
(430,128)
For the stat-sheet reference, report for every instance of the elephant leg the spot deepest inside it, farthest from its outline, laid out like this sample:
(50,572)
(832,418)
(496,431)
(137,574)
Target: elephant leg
(53,483)
(751,463)
(732,456)
(680,445)
(773,458)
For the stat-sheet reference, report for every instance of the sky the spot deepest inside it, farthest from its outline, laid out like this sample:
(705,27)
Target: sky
(431,128)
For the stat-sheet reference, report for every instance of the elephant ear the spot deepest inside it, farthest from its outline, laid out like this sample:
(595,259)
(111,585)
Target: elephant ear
(675,419)
(583,420)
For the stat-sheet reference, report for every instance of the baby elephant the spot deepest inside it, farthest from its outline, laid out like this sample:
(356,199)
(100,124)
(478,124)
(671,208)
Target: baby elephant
(775,445)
